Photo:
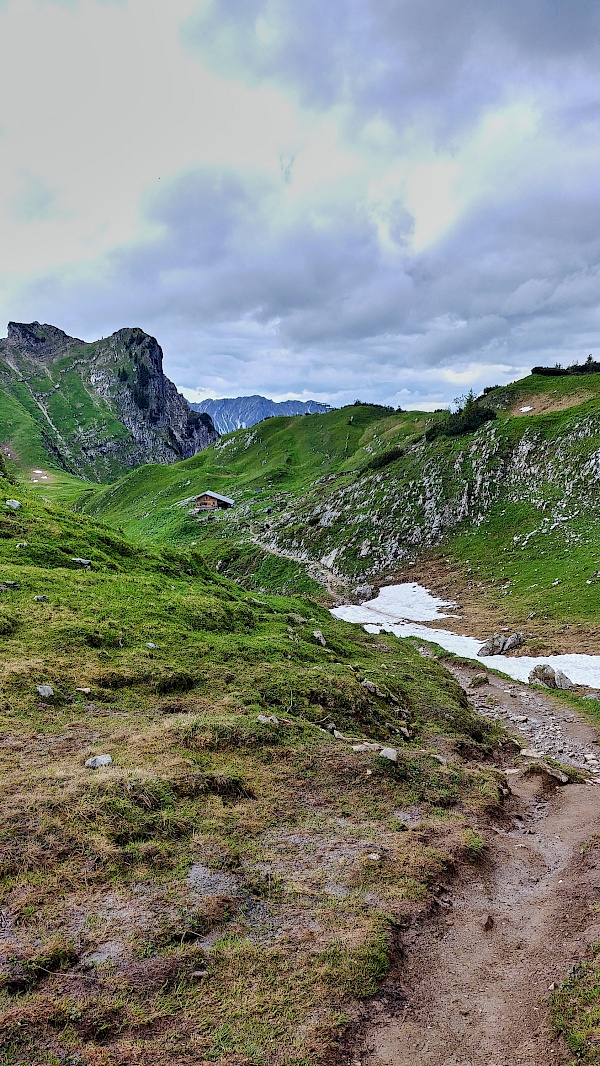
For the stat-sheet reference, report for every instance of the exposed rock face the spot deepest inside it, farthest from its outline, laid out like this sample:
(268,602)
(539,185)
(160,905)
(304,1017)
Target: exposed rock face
(383,519)
(244,411)
(99,407)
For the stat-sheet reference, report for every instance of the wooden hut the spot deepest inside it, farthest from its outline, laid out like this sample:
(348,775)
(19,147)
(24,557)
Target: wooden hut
(211,501)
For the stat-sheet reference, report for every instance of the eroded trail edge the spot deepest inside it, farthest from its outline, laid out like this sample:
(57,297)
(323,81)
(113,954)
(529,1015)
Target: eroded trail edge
(473,985)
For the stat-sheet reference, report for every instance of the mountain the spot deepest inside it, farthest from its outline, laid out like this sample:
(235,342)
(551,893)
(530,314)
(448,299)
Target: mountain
(92,409)
(242,412)
(365,492)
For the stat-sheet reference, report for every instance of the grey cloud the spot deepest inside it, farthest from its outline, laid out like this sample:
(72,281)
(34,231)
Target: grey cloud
(242,304)
(438,62)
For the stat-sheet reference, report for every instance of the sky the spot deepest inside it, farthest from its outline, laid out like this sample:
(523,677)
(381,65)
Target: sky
(390,200)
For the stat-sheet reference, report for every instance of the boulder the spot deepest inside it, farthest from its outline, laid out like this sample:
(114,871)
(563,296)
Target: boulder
(561,680)
(320,639)
(81,562)
(493,645)
(97,761)
(499,644)
(514,641)
(13,505)
(544,674)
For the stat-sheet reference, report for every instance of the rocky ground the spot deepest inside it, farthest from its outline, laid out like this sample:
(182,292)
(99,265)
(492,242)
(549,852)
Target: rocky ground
(473,987)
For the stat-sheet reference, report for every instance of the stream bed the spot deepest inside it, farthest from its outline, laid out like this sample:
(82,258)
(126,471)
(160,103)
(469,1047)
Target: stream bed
(399,609)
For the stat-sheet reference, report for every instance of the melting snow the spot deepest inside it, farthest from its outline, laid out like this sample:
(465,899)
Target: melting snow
(524,409)
(398,607)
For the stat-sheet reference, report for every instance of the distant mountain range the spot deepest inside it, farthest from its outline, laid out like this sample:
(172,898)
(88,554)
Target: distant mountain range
(95,409)
(241,412)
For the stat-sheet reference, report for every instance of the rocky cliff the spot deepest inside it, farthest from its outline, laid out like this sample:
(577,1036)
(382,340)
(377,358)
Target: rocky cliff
(545,478)
(241,412)
(98,407)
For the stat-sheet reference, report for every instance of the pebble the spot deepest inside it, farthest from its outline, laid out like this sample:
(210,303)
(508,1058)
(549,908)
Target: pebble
(97,761)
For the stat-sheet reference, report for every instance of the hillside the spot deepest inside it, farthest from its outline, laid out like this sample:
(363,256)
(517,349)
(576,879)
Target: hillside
(190,901)
(91,409)
(242,412)
(362,492)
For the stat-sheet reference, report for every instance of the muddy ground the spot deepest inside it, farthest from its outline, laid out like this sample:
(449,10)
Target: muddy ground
(479,617)
(471,987)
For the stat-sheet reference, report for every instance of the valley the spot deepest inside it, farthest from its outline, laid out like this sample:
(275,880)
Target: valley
(299,828)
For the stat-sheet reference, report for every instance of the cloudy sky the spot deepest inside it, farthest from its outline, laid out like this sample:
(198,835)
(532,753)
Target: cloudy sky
(393,200)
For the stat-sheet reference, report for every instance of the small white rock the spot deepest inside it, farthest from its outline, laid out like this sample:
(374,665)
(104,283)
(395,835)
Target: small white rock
(13,504)
(151,645)
(267,719)
(389,753)
(98,761)
(45,691)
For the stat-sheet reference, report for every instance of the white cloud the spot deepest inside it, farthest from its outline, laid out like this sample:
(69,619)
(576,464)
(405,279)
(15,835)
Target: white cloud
(338,201)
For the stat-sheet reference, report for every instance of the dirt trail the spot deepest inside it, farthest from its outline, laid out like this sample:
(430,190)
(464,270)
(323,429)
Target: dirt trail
(472,987)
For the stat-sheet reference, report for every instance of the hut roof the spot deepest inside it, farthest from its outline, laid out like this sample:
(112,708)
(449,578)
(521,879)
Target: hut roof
(215,496)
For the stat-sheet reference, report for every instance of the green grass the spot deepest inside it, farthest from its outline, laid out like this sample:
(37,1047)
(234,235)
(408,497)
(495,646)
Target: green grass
(90,859)
(575,1010)
(361,487)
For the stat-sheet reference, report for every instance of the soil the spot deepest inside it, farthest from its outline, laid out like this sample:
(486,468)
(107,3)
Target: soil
(542,403)
(480,618)
(472,986)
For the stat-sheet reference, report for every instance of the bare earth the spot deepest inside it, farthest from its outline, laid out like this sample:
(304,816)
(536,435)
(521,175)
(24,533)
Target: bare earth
(480,618)
(471,988)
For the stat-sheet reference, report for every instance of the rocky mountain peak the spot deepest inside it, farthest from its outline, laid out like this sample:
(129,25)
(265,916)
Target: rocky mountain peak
(41,341)
(101,406)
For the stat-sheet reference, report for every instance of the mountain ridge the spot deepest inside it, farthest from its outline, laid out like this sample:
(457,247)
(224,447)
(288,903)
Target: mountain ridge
(93,408)
(242,412)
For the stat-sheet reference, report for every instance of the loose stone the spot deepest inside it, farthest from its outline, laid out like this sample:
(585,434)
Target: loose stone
(97,761)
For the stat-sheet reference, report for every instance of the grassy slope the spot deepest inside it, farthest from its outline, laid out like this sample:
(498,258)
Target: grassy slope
(34,437)
(299,870)
(314,473)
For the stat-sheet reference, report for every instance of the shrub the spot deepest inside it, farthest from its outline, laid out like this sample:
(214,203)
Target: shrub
(469,417)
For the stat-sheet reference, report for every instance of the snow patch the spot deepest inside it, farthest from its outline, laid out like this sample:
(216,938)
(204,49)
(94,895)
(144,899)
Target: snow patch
(412,602)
